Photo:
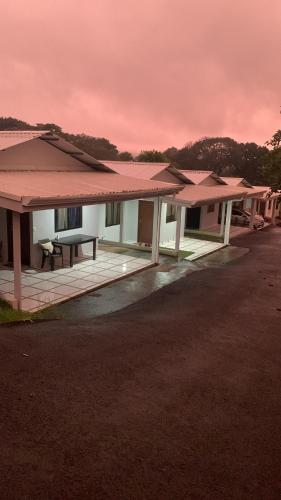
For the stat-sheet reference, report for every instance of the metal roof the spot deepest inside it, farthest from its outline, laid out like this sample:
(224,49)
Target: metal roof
(198,195)
(28,190)
(12,138)
(199,176)
(144,170)
(9,139)
(236,181)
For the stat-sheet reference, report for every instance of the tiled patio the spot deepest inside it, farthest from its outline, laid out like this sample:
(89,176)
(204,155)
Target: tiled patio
(43,289)
(198,247)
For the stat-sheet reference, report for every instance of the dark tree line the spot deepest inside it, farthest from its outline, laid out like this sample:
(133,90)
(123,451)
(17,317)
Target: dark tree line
(260,165)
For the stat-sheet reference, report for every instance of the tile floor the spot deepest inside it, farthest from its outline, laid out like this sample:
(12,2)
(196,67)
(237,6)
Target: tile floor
(199,248)
(42,289)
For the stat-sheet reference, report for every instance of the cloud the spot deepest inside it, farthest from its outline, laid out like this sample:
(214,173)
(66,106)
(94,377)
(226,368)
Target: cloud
(144,74)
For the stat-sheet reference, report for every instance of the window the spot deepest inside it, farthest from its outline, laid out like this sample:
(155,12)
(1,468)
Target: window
(112,214)
(269,205)
(210,209)
(68,218)
(171,213)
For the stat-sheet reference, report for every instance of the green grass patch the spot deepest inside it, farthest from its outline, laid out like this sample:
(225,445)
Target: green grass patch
(9,315)
(184,253)
(202,236)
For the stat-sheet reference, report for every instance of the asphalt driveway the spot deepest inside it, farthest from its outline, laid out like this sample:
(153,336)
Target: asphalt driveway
(174,397)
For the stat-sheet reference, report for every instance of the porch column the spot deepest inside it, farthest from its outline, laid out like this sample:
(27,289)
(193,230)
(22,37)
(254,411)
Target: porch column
(273,211)
(17,259)
(253,212)
(156,230)
(222,218)
(227,223)
(178,228)
(122,226)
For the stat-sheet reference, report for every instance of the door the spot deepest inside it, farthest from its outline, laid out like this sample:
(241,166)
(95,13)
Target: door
(192,218)
(145,225)
(24,234)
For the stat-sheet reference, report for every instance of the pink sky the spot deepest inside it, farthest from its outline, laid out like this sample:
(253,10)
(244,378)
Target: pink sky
(145,74)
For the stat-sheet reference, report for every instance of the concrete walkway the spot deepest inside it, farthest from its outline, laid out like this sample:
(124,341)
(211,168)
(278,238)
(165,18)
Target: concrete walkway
(130,290)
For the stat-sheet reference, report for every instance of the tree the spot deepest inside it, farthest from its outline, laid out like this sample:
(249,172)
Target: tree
(49,126)
(152,156)
(9,123)
(125,156)
(100,148)
(225,156)
(272,165)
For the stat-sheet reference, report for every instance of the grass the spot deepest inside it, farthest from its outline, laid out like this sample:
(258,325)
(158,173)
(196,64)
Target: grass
(9,315)
(184,253)
(202,236)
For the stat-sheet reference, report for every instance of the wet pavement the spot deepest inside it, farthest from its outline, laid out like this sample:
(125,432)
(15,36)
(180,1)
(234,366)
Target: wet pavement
(127,291)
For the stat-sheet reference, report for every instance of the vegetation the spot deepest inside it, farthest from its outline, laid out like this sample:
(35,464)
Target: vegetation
(260,165)
(8,314)
(152,156)
(272,167)
(100,148)
(224,156)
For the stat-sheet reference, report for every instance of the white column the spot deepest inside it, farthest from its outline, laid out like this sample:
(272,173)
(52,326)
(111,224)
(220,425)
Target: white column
(156,230)
(253,212)
(227,223)
(17,259)
(273,211)
(122,226)
(222,218)
(178,228)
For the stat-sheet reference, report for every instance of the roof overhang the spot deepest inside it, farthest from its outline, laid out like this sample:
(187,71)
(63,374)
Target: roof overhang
(197,195)
(31,191)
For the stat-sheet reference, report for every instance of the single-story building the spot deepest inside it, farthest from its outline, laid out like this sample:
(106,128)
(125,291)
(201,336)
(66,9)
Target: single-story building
(49,189)
(201,207)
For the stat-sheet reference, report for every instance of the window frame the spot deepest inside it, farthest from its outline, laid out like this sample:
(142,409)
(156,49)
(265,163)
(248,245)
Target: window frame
(117,215)
(78,226)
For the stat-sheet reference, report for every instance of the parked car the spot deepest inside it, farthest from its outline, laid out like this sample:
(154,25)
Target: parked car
(241,217)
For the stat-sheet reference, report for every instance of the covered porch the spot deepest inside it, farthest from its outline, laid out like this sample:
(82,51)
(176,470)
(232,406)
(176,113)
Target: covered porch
(32,289)
(194,244)
(41,289)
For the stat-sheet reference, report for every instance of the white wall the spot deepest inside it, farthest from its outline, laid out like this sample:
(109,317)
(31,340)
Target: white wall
(43,226)
(167,229)
(111,233)
(131,218)
(208,220)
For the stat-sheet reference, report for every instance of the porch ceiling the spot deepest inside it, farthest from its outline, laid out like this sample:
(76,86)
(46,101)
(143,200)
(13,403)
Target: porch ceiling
(25,191)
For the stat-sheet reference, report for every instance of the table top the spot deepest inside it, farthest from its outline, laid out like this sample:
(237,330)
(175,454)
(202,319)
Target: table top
(75,239)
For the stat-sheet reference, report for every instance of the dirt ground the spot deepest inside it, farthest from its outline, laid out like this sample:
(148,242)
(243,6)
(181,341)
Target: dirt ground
(174,397)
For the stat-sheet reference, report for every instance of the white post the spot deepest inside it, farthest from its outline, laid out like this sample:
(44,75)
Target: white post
(178,229)
(273,211)
(156,230)
(227,223)
(253,212)
(17,258)
(222,218)
(122,226)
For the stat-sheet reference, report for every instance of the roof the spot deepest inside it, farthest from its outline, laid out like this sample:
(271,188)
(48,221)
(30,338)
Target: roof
(198,195)
(9,139)
(236,181)
(12,138)
(199,176)
(143,170)
(267,192)
(36,190)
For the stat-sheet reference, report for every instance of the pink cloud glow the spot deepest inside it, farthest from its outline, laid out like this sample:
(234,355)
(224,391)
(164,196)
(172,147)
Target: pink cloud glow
(148,74)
